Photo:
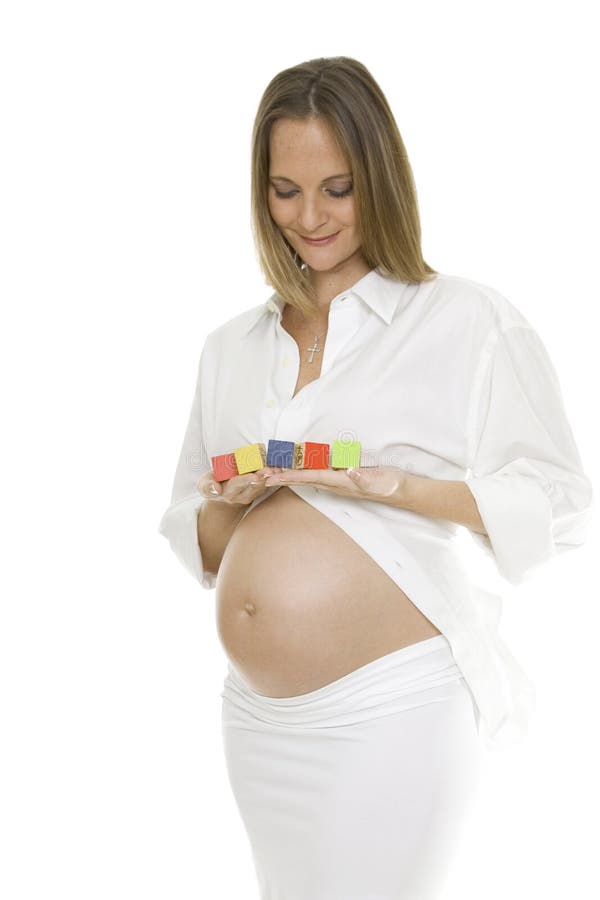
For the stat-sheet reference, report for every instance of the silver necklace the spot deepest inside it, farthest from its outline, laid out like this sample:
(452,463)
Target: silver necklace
(314,349)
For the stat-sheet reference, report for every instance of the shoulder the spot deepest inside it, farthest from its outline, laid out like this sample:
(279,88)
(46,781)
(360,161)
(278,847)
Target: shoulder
(474,298)
(224,341)
(235,328)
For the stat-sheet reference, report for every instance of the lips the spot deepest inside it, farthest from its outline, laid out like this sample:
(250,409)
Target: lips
(322,240)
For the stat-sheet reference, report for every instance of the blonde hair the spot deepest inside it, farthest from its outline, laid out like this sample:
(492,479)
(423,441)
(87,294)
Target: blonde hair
(341,92)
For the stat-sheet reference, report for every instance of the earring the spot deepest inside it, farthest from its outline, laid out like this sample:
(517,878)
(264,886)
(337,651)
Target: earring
(303,265)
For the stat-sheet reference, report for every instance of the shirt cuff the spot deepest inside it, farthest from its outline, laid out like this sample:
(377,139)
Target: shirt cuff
(179,525)
(518,517)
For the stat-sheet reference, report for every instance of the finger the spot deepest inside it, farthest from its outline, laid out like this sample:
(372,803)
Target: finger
(312,476)
(260,475)
(210,488)
(253,480)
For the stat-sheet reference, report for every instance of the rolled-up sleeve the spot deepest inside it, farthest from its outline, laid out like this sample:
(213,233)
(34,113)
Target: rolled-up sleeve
(179,523)
(527,478)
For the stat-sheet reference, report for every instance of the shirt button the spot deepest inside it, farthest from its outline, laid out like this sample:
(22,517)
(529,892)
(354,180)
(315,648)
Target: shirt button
(271,403)
(285,362)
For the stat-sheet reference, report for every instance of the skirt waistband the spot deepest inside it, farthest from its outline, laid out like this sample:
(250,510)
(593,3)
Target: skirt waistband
(424,672)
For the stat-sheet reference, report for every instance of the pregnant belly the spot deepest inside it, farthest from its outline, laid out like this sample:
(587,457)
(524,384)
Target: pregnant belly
(299,603)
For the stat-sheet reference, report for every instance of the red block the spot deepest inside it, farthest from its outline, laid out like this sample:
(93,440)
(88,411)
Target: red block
(316,456)
(224,466)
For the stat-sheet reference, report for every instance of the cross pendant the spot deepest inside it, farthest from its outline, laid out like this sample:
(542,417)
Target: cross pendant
(314,349)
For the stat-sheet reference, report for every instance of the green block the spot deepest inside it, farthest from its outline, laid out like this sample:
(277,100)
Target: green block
(345,454)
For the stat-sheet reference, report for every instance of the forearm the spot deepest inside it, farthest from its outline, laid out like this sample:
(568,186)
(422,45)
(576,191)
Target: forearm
(440,499)
(216,523)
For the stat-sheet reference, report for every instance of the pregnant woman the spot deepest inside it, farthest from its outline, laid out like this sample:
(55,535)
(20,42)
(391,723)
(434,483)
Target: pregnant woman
(363,665)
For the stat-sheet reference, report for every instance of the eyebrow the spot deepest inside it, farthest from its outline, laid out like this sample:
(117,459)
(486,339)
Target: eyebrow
(329,177)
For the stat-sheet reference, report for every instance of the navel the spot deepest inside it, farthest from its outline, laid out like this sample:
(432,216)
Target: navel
(250,608)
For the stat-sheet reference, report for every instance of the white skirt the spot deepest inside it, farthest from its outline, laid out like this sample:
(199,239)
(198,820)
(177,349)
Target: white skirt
(358,790)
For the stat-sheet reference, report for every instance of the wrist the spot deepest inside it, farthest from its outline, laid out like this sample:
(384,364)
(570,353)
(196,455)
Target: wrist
(224,508)
(402,496)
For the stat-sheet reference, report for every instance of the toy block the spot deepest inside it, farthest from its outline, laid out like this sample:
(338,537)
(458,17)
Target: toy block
(250,458)
(280,453)
(309,455)
(224,466)
(345,454)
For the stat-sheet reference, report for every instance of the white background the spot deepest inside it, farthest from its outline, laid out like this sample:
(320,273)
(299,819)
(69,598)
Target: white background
(125,187)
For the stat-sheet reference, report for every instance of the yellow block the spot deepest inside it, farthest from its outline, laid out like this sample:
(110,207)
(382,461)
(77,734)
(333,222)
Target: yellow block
(250,458)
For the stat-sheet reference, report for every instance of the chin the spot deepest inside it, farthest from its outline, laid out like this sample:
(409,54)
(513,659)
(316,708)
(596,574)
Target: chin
(327,257)
(330,263)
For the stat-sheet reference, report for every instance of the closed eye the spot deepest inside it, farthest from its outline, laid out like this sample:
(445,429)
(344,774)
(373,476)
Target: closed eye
(288,194)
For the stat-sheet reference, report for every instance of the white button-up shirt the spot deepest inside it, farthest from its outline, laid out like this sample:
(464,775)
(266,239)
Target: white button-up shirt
(445,379)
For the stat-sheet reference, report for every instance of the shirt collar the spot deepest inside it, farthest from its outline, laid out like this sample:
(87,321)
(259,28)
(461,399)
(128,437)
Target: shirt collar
(380,292)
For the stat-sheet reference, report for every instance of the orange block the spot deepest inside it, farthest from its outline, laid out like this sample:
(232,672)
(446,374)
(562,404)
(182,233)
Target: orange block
(309,455)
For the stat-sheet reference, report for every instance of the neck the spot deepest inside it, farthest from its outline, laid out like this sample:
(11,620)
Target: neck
(317,324)
(328,285)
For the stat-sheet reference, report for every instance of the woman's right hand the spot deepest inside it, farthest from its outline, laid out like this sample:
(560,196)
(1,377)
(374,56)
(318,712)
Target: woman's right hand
(239,490)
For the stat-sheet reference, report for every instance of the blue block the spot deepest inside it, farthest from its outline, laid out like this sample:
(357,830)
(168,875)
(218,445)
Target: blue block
(280,453)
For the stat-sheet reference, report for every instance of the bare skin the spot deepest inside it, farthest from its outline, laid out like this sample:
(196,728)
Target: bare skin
(299,603)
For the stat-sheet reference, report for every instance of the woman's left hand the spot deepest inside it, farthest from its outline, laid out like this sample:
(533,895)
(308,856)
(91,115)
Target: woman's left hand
(386,484)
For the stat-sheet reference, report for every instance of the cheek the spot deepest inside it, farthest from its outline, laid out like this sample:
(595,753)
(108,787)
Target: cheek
(348,213)
(278,212)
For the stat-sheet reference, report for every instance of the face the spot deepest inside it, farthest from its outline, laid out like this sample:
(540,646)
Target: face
(311,194)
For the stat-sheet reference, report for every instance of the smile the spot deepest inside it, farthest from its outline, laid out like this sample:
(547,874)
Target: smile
(320,242)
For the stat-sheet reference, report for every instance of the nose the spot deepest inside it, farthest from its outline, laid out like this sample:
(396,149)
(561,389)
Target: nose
(312,215)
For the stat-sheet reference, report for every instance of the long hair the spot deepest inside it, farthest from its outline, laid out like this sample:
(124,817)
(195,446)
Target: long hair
(341,92)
